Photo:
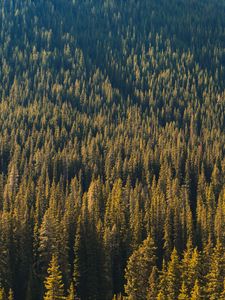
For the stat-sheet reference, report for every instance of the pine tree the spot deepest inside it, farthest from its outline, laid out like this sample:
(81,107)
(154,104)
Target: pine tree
(196,293)
(191,267)
(153,284)
(185,265)
(138,270)
(183,292)
(163,280)
(168,234)
(220,218)
(71,292)
(53,282)
(77,257)
(173,276)
(48,240)
(216,273)
(161,296)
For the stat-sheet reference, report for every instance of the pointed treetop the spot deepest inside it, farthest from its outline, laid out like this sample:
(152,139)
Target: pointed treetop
(71,292)
(11,297)
(183,292)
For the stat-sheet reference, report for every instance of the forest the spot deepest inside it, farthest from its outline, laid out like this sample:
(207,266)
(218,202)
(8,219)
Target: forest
(112,149)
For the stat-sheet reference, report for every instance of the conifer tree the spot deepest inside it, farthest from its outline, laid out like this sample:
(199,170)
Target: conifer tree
(6,247)
(101,148)
(10,297)
(71,292)
(173,276)
(2,294)
(78,256)
(183,295)
(139,268)
(161,296)
(185,265)
(53,282)
(216,273)
(168,234)
(222,295)
(153,284)
(196,293)
(48,240)
(191,267)
(220,218)
(163,280)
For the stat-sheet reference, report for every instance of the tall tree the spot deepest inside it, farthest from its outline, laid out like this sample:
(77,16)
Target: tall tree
(173,276)
(216,273)
(53,283)
(153,284)
(139,268)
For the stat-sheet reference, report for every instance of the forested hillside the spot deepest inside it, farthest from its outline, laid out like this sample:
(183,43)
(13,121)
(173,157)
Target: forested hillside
(112,149)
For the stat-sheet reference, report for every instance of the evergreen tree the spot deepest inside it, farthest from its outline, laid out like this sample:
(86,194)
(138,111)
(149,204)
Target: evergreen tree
(139,268)
(112,130)
(53,283)
(2,294)
(71,292)
(183,295)
(191,267)
(216,274)
(161,296)
(10,297)
(153,284)
(163,281)
(222,295)
(196,293)
(173,276)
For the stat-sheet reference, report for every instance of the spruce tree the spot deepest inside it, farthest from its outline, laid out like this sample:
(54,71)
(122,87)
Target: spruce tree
(71,292)
(53,283)
(153,284)
(163,280)
(183,295)
(173,276)
(216,273)
(138,270)
(196,293)
(161,296)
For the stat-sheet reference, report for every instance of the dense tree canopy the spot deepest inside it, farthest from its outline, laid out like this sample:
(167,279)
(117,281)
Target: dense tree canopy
(112,143)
